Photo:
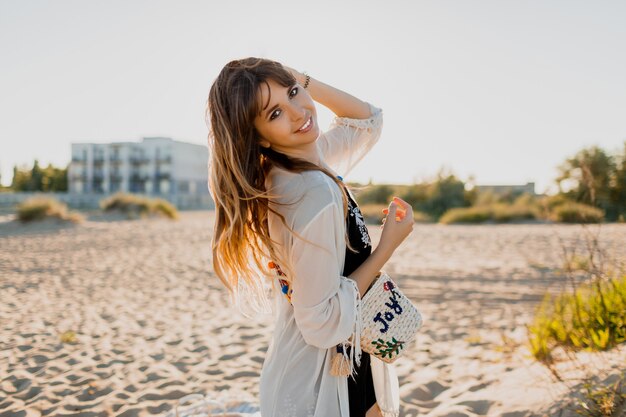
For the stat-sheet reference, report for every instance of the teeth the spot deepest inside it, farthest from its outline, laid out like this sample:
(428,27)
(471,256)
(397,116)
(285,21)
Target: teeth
(306,124)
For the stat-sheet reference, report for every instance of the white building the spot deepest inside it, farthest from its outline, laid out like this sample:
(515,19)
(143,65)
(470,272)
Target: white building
(154,166)
(529,188)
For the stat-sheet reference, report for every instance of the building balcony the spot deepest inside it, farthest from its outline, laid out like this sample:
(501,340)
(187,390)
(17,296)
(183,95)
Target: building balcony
(162,176)
(164,159)
(78,177)
(136,160)
(139,177)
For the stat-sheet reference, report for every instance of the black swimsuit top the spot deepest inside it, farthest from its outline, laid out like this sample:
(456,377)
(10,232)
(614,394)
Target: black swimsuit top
(358,236)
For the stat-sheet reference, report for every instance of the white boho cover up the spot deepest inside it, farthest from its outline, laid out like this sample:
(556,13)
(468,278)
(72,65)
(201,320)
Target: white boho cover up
(295,379)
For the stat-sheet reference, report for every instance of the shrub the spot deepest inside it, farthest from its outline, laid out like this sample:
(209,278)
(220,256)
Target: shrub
(372,213)
(507,212)
(137,206)
(571,212)
(526,200)
(553,201)
(601,401)
(593,318)
(165,207)
(40,208)
(68,337)
(374,194)
(524,208)
(476,214)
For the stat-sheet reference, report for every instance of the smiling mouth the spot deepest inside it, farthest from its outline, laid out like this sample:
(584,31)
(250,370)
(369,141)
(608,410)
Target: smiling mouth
(305,127)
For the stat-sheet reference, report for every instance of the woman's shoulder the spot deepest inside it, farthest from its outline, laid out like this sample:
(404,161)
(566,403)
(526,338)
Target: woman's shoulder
(312,181)
(313,189)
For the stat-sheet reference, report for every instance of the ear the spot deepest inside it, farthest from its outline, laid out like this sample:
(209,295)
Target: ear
(264,143)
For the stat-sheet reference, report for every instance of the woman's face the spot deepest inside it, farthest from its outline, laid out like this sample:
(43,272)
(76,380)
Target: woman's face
(285,111)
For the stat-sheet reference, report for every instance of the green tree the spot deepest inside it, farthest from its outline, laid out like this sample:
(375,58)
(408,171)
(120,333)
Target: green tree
(376,194)
(54,179)
(445,193)
(416,195)
(20,180)
(49,179)
(36,178)
(594,175)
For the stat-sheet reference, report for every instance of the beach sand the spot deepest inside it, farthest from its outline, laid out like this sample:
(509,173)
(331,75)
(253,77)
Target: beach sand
(152,323)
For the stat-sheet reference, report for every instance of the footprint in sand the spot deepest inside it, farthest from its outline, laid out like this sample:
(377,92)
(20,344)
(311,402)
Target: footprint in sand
(478,387)
(425,393)
(480,407)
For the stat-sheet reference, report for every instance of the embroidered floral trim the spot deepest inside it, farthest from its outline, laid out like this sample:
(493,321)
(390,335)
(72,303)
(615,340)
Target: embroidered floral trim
(284,284)
(354,211)
(360,222)
(373,122)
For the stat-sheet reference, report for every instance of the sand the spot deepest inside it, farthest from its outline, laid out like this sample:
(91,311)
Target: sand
(152,322)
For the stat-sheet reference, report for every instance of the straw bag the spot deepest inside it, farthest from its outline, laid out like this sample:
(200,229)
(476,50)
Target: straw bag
(389,321)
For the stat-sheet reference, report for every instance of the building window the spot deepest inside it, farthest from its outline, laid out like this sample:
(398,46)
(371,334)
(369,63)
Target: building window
(164,187)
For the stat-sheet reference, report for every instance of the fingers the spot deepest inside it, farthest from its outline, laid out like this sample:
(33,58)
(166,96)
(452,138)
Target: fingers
(399,213)
(396,205)
(399,207)
(401,202)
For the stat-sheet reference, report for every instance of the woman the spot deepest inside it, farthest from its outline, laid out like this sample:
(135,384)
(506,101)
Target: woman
(283,212)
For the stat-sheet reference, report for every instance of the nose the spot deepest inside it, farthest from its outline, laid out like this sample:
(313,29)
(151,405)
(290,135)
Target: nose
(297,112)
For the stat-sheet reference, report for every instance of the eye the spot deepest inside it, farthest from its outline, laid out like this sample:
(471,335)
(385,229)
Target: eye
(274,114)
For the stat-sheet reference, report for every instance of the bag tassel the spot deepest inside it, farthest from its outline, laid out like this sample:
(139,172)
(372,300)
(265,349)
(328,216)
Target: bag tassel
(340,363)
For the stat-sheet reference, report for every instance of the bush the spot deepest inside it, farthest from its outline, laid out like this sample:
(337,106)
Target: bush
(476,214)
(593,318)
(137,206)
(165,207)
(571,212)
(40,208)
(497,212)
(506,212)
(374,194)
(372,213)
(553,201)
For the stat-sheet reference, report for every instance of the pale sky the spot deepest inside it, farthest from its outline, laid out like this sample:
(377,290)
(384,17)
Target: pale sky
(501,90)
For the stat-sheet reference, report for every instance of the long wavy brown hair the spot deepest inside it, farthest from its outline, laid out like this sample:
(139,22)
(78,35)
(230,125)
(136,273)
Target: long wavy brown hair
(238,166)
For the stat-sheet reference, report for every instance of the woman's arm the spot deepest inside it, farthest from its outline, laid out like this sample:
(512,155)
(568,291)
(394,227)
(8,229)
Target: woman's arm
(365,274)
(339,102)
(394,233)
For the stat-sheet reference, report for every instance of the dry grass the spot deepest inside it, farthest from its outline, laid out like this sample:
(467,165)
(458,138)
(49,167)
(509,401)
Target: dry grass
(135,206)
(41,208)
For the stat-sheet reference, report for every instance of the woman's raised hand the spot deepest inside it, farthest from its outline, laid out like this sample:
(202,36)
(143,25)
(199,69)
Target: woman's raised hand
(394,232)
(296,74)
